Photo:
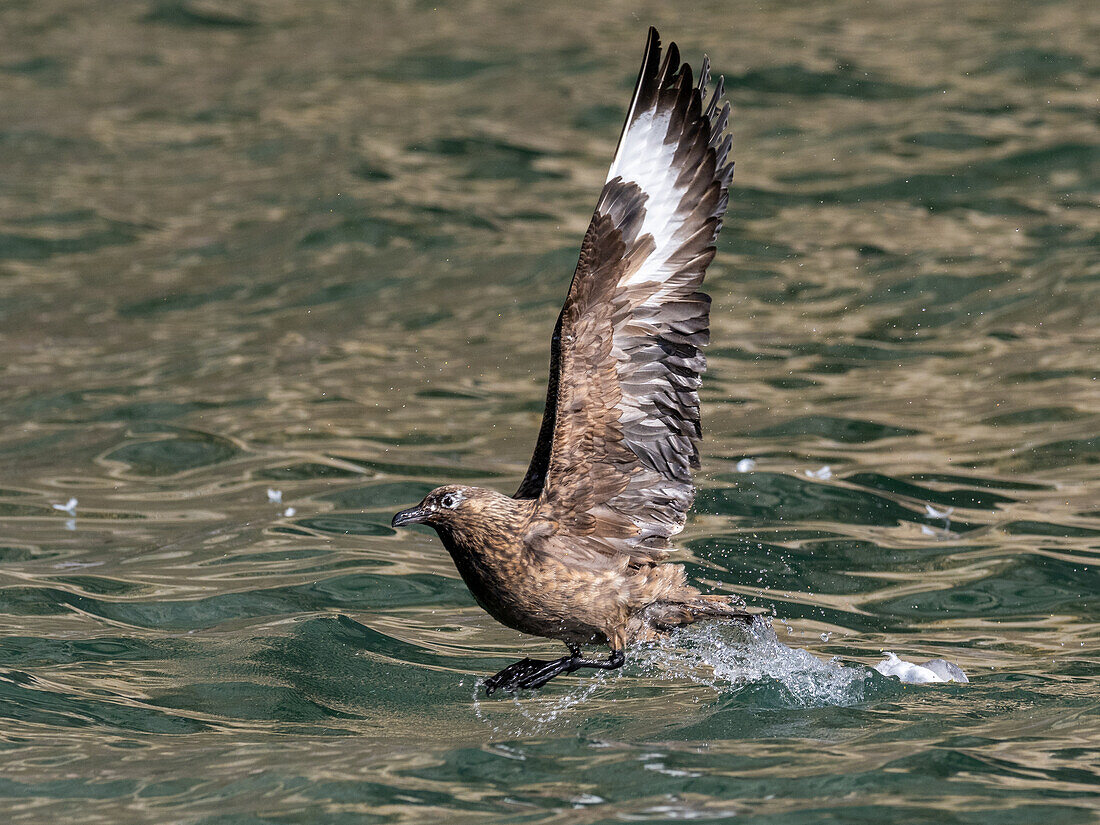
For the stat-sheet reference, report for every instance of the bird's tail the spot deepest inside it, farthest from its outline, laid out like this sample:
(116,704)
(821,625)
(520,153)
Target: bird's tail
(666,615)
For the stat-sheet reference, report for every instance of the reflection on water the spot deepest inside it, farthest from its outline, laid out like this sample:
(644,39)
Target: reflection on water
(287,247)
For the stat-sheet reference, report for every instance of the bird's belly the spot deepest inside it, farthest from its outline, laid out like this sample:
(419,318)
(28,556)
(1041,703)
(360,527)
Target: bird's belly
(533,618)
(527,599)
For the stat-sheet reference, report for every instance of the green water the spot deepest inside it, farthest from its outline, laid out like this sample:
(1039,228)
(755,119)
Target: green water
(319,248)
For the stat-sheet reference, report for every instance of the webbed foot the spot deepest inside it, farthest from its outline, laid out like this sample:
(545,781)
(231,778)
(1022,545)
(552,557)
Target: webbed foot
(529,674)
(512,678)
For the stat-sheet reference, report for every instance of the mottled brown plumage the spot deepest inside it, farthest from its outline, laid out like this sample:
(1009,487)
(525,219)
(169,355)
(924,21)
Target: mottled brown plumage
(577,553)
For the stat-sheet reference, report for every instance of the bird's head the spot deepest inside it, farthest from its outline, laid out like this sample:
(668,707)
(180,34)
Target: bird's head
(443,506)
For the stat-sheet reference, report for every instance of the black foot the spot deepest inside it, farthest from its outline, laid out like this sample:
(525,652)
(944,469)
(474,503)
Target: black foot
(513,676)
(529,674)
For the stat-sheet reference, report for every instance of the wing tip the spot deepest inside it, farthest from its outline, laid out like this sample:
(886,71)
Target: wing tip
(667,83)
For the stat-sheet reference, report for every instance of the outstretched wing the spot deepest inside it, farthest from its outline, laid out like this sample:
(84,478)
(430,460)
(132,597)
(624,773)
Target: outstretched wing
(619,433)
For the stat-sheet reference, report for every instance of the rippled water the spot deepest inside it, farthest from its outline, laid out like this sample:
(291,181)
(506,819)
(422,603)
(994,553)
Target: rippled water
(318,250)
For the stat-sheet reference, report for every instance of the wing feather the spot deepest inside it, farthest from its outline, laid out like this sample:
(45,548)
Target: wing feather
(612,469)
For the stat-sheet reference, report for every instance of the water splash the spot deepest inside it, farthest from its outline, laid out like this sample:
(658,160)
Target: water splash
(727,658)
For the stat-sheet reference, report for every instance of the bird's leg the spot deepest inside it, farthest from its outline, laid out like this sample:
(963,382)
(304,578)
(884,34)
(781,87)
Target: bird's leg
(534,673)
(568,664)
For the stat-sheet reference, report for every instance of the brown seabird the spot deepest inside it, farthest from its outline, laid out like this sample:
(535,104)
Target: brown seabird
(577,553)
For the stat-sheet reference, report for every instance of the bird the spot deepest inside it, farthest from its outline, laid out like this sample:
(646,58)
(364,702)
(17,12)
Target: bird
(579,552)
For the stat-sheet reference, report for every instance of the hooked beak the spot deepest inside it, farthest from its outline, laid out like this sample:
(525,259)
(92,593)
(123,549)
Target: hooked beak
(414,515)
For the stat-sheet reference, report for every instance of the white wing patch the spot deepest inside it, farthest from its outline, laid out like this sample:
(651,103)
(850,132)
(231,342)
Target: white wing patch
(646,159)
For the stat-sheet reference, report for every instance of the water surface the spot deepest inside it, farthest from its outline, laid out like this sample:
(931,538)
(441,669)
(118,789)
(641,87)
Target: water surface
(318,249)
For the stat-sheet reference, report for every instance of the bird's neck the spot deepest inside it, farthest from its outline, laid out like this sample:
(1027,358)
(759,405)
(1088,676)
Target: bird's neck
(495,527)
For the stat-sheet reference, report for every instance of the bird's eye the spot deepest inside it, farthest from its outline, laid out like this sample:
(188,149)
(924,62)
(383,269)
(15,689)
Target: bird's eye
(449,501)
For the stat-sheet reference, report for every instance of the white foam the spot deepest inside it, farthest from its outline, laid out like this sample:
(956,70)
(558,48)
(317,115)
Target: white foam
(907,672)
(934,670)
